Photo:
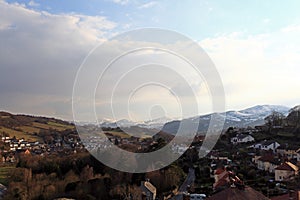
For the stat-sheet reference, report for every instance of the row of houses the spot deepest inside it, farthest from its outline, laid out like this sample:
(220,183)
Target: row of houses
(282,170)
(291,152)
(19,144)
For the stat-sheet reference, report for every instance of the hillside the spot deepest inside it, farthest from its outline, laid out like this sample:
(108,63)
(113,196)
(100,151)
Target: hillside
(248,117)
(31,128)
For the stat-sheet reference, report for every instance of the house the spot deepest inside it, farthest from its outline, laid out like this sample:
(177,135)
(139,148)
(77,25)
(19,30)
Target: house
(27,152)
(148,190)
(10,158)
(266,145)
(288,151)
(242,138)
(225,178)
(219,174)
(268,163)
(285,171)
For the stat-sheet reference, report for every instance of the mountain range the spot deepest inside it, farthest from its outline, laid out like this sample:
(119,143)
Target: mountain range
(252,116)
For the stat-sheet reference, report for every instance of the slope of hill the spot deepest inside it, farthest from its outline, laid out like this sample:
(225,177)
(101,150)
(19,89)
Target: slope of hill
(30,127)
(248,117)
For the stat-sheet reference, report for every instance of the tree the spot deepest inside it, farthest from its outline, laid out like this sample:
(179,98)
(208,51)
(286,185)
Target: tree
(293,118)
(87,173)
(275,119)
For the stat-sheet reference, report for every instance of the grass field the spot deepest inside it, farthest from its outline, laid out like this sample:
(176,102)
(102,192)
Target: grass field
(30,129)
(53,125)
(118,134)
(61,125)
(125,135)
(19,134)
(4,173)
(3,117)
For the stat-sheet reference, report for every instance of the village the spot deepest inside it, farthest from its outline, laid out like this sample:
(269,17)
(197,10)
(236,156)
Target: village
(246,163)
(13,146)
(278,163)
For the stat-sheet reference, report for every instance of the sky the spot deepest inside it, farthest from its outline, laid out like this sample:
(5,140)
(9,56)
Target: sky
(255,46)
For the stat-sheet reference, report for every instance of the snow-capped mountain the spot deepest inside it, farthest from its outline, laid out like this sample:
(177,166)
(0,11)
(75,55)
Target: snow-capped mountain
(150,124)
(255,113)
(248,117)
(155,123)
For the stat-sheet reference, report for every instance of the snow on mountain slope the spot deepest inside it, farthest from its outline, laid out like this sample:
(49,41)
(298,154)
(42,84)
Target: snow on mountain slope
(243,118)
(248,117)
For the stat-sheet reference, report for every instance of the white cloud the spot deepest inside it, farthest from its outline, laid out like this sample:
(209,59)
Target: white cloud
(258,69)
(148,5)
(266,20)
(33,4)
(40,53)
(121,2)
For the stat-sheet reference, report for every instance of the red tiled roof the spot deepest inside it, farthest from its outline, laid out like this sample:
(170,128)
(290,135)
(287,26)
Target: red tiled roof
(236,194)
(224,180)
(219,171)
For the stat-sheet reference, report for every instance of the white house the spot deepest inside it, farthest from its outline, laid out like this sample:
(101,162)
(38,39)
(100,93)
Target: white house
(242,138)
(266,145)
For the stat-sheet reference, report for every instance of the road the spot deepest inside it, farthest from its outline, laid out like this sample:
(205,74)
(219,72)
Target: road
(188,182)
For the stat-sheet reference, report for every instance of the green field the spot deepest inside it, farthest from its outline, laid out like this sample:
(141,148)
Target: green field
(29,129)
(64,126)
(19,134)
(125,135)
(52,125)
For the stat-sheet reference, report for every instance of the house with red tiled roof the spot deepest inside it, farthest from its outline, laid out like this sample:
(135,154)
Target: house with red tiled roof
(286,171)
(219,173)
(224,179)
(229,187)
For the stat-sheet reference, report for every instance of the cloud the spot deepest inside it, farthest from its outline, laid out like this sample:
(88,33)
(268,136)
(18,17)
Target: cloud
(121,2)
(148,5)
(258,69)
(33,4)
(40,53)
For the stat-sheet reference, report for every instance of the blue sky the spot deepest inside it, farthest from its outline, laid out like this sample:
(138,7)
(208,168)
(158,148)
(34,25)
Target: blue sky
(197,19)
(255,46)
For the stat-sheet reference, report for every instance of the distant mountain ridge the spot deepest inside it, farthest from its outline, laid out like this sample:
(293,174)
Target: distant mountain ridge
(15,124)
(248,117)
(150,124)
